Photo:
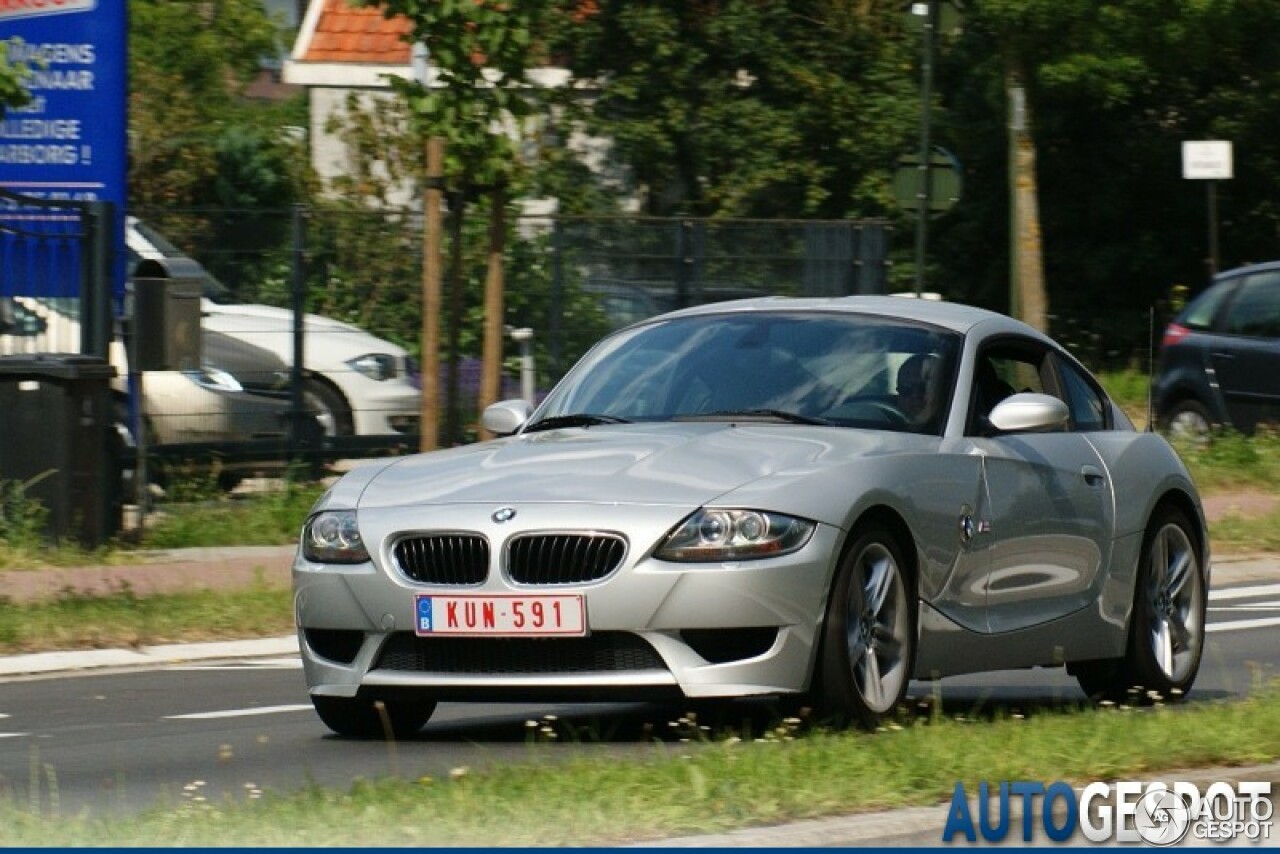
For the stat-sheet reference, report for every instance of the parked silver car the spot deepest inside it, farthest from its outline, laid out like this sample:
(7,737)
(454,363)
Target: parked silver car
(798,497)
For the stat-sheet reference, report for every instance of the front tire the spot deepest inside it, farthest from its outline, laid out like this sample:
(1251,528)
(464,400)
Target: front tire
(364,718)
(869,636)
(1167,628)
(328,407)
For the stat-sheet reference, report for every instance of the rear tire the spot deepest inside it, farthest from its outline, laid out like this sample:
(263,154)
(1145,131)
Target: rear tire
(364,718)
(1189,419)
(869,635)
(1167,626)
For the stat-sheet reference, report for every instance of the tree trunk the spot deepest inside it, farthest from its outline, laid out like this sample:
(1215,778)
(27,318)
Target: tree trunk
(429,424)
(491,370)
(1027,296)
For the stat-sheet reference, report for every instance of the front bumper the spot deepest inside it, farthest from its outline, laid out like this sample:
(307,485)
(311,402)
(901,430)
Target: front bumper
(723,630)
(382,407)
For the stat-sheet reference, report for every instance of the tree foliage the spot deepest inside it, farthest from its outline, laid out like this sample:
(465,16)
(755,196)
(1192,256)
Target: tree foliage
(768,108)
(12,92)
(1116,88)
(189,65)
(749,107)
(479,96)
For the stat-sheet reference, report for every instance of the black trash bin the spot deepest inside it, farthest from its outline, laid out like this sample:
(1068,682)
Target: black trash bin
(56,437)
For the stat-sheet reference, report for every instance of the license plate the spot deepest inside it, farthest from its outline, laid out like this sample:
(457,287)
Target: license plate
(510,616)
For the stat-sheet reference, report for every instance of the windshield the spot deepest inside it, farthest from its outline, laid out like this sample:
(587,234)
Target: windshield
(828,368)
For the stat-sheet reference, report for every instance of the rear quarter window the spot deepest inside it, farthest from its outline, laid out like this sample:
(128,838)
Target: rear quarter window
(1201,311)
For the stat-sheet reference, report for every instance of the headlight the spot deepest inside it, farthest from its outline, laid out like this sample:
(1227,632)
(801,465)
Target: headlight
(375,366)
(333,536)
(213,378)
(719,535)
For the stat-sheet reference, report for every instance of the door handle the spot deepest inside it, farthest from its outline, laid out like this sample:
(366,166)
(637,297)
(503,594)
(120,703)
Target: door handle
(1093,476)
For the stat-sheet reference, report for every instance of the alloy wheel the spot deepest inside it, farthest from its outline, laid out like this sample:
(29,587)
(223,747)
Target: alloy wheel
(1174,594)
(876,633)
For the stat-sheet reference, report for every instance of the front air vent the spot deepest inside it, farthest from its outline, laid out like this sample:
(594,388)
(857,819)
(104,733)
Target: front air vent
(340,645)
(563,558)
(600,652)
(458,560)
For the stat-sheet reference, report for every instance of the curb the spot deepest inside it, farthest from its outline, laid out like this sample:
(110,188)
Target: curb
(97,659)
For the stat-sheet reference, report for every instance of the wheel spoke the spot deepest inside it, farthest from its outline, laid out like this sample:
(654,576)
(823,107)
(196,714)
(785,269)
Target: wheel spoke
(1180,633)
(1159,565)
(884,634)
(857,652)
(1179,574)
(872,686)
(890,650)
(1162,644)
(878,583)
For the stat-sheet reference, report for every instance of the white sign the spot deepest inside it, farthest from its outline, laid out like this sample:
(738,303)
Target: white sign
(1209,160)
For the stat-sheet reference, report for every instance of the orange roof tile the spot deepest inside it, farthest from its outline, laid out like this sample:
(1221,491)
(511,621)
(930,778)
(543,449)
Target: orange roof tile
(361,34)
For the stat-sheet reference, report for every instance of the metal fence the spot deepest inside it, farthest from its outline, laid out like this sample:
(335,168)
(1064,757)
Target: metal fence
(343,288)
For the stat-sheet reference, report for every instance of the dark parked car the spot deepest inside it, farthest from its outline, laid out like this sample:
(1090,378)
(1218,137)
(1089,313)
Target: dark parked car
(1220,358)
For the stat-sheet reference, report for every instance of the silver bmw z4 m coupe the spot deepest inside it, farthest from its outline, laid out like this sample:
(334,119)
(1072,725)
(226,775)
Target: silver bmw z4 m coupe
(814,499)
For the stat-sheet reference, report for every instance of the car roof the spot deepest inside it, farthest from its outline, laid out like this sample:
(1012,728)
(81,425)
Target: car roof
(1261,267)
(946,315)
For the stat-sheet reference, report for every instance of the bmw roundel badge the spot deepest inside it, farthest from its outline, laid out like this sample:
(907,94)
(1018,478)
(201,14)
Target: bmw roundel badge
(504,514)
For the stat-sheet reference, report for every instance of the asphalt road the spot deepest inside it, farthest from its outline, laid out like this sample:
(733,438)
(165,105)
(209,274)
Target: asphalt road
(125,740)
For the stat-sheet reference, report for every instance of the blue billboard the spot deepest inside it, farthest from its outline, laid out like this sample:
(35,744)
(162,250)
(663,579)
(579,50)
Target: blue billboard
(70,142)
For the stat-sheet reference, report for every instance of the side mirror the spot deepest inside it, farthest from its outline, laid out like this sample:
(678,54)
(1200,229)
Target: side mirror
(1029,413)
(506,416)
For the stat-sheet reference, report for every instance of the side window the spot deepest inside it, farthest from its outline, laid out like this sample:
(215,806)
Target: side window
(1256,310)
(1001,371)
(1088,407)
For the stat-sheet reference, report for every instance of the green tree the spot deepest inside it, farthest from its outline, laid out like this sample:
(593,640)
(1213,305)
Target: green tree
(478,100)
(479,55)
(749,107)
(12,92)
(1115,89)
(188,67)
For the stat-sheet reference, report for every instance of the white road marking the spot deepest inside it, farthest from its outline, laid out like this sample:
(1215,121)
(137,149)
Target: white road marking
(1251,606)
(1240,625)
(1243,592)
(1235,593)
(240,713)
(13,734)
(261,664)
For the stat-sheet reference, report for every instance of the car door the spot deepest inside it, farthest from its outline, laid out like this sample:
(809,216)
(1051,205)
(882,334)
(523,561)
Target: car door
(1046,511)
(1246,356)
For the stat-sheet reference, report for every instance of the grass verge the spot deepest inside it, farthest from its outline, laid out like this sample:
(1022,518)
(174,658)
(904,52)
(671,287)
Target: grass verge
(696,785)
(204,519)
(125,620)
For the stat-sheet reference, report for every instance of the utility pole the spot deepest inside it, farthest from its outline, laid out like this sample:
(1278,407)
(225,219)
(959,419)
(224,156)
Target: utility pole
(926,152)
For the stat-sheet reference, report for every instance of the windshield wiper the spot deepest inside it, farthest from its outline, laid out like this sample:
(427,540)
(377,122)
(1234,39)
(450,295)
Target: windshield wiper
(577,419)
(777,414)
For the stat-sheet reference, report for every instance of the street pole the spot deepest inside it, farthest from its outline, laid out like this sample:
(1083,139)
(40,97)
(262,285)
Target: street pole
(1211,187)
(926,176)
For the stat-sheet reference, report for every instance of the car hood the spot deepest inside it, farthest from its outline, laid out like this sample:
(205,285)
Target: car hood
(244,317)
(663,464)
